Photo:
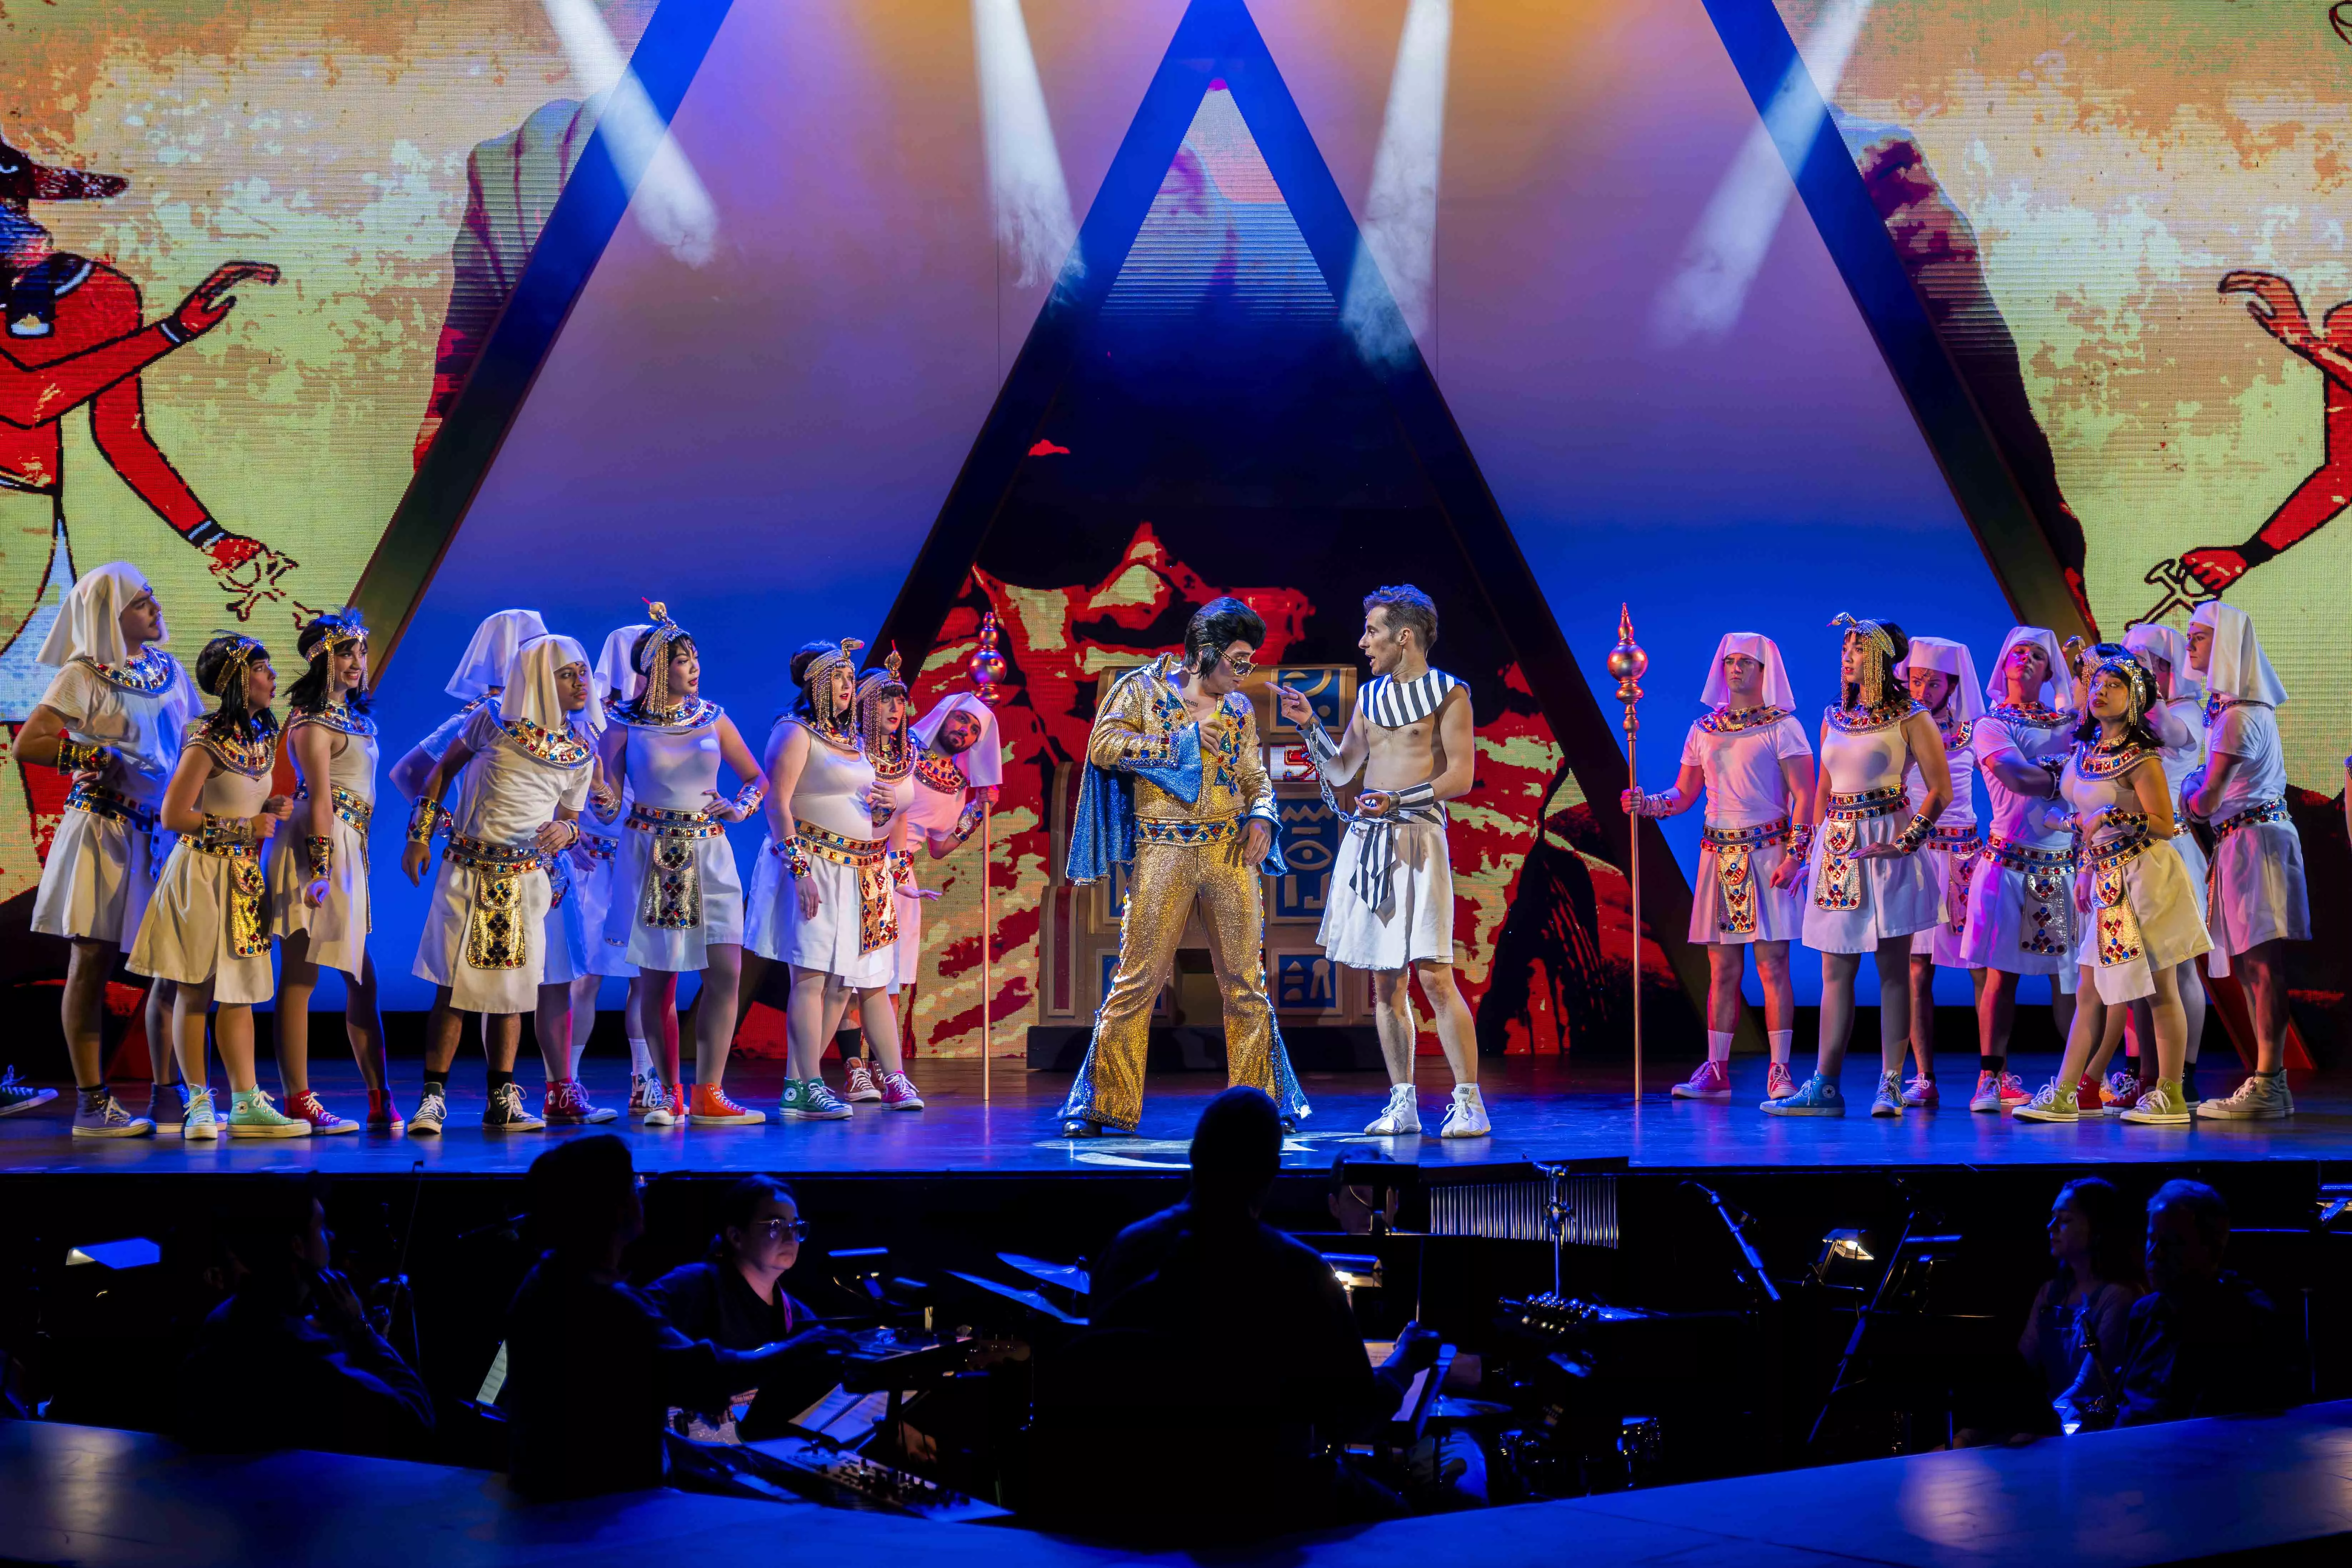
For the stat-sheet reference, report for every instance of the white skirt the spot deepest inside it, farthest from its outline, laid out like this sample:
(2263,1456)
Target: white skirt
(441,955)
(827,942)
(567,932)
(592,879)
(1414,926)
(1941,941)
(2151,926)
(1853,908)
(662,947)
(1777,914)
(2192,858)
(185,936)
(339,928)
(2020,924)
(2258,892)
(99,877)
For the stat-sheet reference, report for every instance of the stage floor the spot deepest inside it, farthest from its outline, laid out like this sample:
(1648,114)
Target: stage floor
(1541,1111)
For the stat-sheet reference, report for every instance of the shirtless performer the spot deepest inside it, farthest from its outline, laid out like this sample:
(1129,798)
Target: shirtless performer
(1391,906)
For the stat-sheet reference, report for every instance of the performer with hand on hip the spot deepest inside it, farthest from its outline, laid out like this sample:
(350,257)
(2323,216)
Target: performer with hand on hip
(1391,905)
(1752,759)
(1175,788)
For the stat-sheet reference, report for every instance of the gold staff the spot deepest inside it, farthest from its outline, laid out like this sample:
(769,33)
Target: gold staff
(987,671)
(1628,663)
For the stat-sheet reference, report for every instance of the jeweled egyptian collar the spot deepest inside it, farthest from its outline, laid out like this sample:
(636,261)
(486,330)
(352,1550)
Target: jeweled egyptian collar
(2093,760)
(2216,704)
(1863,721)
(556,748)
(940,773)
(1956,739)
(150,672)
(2030,713)
(254,753)
(1734,721)
(337,716)
(686,714)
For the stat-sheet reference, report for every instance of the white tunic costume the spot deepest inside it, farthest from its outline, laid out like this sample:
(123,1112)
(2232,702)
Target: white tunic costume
(676,890)
(595,860)
(1391,900)
(2180,724)
(2020,917)
(942,789)
(2141,914)
(2258,892)
(856,924)
(210,920)
(339,928)
(487,933)
(1952,852)
(109,847)
(1738,752)
(1856,904)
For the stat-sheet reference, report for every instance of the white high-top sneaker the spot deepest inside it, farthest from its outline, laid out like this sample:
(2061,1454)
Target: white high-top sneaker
(1466,1117)
(1402,1119)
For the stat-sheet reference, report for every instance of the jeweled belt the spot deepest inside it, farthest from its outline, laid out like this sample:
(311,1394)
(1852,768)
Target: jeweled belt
(1734,871)
(1864,805)
(497,936)
(1955,840)
(597,847)
(2046,928)
(1960,847)
(349,806)
(879,870)
(99,801)
(247,936)
(672,897)
(2248,815)
(2125,837)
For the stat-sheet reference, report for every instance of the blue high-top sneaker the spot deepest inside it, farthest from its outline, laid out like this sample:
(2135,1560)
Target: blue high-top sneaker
(1817,1096)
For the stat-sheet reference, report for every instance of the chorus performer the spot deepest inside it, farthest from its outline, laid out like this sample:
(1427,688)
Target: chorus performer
(319,906)
(1942,677)
(111,721)
(958,768)
(208,930)
(1751,759)
(2258,901)
(594,870)
(2140,924)
(677,904)
(824,896)
(1869,889)
(2021,897)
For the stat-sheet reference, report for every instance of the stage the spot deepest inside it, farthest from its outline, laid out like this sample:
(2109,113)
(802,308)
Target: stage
(1542,1111)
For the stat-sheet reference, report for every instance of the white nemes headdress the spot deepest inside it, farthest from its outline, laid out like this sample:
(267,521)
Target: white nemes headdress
(89,623)
(2156,643)
(2062,679)
(1764,651)
(2237,667)
(983,762)
(1949,657)
(616,677)
(492,650)
(532,692)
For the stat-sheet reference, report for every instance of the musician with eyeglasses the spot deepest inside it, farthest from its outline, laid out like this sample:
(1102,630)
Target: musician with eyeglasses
(1175,789)
(735,1297)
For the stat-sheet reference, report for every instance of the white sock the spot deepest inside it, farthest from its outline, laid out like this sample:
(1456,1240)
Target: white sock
(641,1057)
(1719,1045)
(1783,1040)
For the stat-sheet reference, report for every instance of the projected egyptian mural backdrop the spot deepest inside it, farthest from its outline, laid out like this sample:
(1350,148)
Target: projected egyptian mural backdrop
(385,168)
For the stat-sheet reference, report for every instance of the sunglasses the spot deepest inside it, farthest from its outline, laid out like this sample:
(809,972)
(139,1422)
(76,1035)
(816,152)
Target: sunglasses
(1240,666)
(776,1229)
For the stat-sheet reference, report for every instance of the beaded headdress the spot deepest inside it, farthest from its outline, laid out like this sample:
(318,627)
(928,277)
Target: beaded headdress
(337,633)
(816,684)
(1872,684)
(651,657)
(886,750)
(2137,682)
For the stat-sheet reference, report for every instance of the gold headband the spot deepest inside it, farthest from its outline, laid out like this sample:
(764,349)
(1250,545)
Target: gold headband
(820,669)
(343,631)
(881,679)
(2137,681)
(666,634)
(1870,629)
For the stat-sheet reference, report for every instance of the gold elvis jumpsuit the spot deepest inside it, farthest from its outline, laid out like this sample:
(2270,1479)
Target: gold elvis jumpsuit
(1184,856)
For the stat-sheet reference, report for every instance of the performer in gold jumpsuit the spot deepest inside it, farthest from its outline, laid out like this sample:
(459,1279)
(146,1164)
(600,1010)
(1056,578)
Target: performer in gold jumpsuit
(1175,788)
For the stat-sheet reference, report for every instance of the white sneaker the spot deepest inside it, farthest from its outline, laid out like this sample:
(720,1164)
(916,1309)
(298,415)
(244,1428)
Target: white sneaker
(2263,1097)
(1466,1117)
(200,1124)
(1888,1100)
(1402,1119)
